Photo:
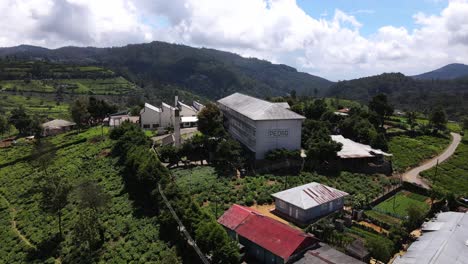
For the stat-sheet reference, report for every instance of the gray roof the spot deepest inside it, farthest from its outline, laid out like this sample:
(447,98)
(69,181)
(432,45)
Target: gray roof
(325,254)
(257,109)
(445,241)
(58,123)
(309,195)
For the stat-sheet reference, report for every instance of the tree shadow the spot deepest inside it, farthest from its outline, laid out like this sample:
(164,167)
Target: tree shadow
(45,249)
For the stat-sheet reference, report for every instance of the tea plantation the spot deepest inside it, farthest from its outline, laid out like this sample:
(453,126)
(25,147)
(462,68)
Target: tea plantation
(27,234)
(218,193)
(452,175)
(411,151)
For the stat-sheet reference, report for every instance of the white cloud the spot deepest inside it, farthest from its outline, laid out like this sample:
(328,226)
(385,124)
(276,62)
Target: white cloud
(277,30)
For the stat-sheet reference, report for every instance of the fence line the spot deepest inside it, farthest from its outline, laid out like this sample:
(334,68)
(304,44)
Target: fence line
(182,227)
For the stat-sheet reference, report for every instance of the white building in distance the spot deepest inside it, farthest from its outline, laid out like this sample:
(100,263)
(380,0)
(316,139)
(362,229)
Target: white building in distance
(152,117)
(261,125)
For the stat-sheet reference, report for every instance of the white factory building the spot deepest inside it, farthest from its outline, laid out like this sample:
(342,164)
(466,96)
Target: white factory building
(261,125)
(153,117)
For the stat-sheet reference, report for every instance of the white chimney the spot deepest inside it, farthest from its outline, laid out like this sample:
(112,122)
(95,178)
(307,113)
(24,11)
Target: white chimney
(176,123)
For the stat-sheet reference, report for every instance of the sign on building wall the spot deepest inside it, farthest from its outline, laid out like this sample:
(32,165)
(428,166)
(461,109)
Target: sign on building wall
(277,132)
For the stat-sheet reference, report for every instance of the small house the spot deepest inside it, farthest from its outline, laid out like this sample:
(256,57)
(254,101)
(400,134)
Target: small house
(308,202)
(56,126)
(265,239)
(358,157)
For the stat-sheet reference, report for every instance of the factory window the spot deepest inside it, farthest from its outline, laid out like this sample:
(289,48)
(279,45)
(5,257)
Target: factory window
(146,126)
(155,125)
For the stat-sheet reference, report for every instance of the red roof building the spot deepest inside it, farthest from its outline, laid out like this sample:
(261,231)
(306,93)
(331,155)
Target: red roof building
(264,238)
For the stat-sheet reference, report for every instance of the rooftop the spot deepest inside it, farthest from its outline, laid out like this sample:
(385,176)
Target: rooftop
(444,240)
(152,107)
(309,195)
(276,237)
(324,254)
(57,123)
(258,109)
(352,149)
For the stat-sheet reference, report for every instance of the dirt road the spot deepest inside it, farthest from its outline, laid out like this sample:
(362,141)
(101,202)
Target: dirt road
(413,174)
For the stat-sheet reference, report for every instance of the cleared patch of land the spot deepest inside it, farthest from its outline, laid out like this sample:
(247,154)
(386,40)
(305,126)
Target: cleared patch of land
(398,204)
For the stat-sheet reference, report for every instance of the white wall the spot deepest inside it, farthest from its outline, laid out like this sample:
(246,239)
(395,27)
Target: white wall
(187,111)
(150,117)
(275,134)
(167,115)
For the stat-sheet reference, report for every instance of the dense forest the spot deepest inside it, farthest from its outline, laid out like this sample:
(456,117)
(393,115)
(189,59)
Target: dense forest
(407,93)
(160,66)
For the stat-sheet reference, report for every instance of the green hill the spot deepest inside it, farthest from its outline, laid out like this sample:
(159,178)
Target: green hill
(407,93)
(160,66)
(448,72)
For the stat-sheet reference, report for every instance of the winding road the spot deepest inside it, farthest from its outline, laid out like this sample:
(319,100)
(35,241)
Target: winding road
(413,174)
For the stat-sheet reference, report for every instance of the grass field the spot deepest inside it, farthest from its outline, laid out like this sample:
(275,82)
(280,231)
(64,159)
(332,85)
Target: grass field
(409,152)
(452,175)
(398,204)
(211,191)
(129,236)
(34,106)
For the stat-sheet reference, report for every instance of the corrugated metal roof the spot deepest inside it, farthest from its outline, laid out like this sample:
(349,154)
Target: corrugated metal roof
(57,123)
(445,245)
(276,237)
(324,254)
(352,149)
(257,109)
(309,195)
(152,107)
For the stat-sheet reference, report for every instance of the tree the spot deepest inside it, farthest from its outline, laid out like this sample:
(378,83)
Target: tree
(438,118)
(465,123)
(169,154)
(318,144)
(228,156)
(415,217)
(99,109)
(411,119)
(293,94)
(91,196)
(54,198)
(4,126)
(380,105)
(44,153)
(79,113)
(20,120)
(210,121)
(213,239)
(315,109)
(379,248)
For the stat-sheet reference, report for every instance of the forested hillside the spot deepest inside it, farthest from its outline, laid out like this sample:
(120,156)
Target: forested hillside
(159,66)
(448,72)
(407,93)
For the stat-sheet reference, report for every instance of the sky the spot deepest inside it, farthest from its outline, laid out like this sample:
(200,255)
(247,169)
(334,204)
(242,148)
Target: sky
(337,40)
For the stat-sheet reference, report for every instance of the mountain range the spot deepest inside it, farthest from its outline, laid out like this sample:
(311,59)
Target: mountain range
(163,69)
(209,73)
